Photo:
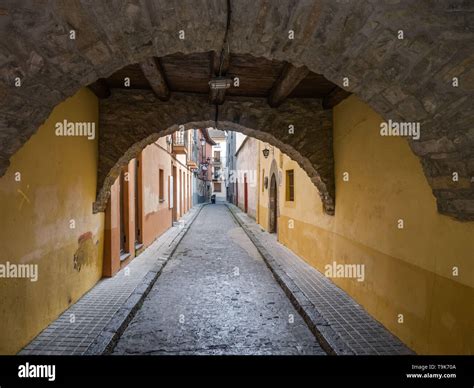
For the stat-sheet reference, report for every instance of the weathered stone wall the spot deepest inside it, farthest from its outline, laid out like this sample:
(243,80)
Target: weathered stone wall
(402,79)
(132,119)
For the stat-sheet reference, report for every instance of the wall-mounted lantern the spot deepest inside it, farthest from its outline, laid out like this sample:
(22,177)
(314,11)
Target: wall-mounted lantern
(266,152)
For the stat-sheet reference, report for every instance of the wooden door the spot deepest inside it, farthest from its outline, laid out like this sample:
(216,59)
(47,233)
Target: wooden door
(273,205)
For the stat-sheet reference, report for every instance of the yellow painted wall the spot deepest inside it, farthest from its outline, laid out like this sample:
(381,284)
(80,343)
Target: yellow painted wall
(58,184)
(407,271)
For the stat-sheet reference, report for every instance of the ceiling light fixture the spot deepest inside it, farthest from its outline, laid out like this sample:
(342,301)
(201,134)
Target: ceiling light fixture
(220,83)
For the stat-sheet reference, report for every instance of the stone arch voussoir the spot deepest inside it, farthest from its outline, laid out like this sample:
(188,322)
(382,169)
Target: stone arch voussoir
(402,79)
(125,129)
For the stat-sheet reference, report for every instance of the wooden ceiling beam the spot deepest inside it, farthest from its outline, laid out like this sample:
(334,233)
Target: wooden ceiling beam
(335,97)
(153,72)
(100,88)
(217,96)
(289,79)
(216,69)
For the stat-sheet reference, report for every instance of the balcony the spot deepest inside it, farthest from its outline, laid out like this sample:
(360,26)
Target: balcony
(191,164)
(180,144)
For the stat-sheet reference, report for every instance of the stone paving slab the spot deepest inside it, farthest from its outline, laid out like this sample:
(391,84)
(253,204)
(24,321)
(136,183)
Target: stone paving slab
(341,325)
(110,303)
(216,296)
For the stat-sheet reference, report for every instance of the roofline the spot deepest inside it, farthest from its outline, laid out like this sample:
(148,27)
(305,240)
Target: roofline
(208,138)
(220,137)
(241,145)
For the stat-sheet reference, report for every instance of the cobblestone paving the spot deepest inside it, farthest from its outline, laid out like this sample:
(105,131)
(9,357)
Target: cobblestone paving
(216,296)
(357,328)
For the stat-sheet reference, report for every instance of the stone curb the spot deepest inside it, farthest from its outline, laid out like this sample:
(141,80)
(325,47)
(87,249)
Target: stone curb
(327,337)
(106,340)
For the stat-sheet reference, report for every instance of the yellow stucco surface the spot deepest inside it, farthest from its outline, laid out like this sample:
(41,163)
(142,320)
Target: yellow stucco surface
(408,271)
(58,184)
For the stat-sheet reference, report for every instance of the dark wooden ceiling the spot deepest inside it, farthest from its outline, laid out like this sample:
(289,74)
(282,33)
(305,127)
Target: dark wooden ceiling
(258,77)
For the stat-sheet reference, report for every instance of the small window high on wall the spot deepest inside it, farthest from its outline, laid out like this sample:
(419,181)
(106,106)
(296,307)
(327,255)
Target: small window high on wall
(290,185)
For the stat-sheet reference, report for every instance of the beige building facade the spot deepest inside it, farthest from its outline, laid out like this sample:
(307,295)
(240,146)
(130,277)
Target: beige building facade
(244,177)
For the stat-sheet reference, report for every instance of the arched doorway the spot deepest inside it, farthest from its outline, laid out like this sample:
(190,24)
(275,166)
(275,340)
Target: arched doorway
(273,206)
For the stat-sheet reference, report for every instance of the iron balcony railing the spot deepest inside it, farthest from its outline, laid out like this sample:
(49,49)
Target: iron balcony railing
(180,139)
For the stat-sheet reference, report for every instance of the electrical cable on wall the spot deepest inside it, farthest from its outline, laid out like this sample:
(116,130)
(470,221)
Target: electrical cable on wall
(224,43)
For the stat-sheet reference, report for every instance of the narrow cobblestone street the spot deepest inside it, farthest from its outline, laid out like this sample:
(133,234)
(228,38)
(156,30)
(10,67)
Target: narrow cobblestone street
(231,187)
(217,296)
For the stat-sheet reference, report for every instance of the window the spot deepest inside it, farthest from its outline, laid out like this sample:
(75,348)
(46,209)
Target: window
(217,156)
(162,185)
(263,180)
(290,185)
(217,187)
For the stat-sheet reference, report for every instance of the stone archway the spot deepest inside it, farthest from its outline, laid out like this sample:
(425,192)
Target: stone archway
(125,132)
(409,79)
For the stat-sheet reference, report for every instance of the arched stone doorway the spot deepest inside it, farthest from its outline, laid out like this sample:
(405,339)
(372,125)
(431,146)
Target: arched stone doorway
(125,132)
(353,44)
(273,206)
